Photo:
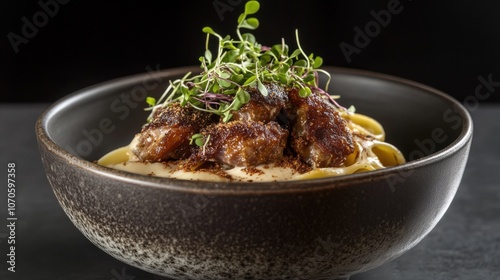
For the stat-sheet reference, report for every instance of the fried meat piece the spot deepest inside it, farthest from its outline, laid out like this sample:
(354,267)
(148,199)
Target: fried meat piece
(319,134)
(262,108)
(240,143)
(168,134)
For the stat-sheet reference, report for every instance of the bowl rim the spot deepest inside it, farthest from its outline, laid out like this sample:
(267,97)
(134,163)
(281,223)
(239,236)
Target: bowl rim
(235,188)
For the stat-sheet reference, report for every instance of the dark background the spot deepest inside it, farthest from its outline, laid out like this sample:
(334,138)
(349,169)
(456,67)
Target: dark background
(444,44)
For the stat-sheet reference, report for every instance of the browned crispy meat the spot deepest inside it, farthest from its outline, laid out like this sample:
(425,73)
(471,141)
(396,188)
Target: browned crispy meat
(310,129)
(319,135)
(239,143)
(262,108)
(168,134)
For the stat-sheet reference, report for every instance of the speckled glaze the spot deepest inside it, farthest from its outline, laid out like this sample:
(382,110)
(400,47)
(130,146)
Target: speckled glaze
(327,228)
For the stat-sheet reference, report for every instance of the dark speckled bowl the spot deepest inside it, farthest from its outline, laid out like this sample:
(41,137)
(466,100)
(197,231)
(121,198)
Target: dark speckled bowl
(327,228)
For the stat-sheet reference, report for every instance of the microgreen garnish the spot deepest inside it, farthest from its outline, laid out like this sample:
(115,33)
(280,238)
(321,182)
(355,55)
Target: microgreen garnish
(151,101)
(199,140)
(239,64)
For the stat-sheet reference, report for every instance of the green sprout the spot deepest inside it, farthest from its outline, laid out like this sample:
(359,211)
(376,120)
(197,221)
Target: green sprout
(239,64)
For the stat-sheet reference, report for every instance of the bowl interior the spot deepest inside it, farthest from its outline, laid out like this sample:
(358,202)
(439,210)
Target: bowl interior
(366,219)
(418,120)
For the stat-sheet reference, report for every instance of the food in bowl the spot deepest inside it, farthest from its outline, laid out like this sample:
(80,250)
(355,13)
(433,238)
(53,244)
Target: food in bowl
(327,228)
(254,113)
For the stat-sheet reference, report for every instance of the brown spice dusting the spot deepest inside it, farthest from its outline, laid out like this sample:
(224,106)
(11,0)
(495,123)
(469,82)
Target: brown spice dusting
(252,171)
(295,164)
(216,168)
(195,165)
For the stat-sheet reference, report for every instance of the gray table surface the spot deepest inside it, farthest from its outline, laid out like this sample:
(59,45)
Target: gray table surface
(465,244)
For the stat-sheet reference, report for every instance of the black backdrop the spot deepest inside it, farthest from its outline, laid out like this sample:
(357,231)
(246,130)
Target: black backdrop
(53,47)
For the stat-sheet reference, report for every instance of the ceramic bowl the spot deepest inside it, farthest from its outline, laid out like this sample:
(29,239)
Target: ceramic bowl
(329,228)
